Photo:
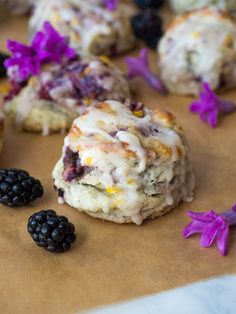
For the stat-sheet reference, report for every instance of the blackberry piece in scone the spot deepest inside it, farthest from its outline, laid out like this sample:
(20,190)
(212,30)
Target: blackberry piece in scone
(50,101)
(199,47)
(124,163)
(91,27)
(181,6)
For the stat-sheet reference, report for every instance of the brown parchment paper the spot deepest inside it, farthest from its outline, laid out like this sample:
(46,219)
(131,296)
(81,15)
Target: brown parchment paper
(110,263)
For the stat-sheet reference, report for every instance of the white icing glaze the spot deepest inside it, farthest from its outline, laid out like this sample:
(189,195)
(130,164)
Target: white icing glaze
(98,148)
(137,218)
(60,200)
(46,129)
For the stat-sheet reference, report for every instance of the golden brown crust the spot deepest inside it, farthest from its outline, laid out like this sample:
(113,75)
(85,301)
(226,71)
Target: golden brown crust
(152,145)
(167,119)
(204,12)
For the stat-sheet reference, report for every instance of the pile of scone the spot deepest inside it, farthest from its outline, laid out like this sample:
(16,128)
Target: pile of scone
(121,161)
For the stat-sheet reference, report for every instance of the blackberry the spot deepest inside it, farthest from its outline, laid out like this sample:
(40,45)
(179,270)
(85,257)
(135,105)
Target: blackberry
(52,232)
(144,4)
(17,188)
(3,57)
(147,26)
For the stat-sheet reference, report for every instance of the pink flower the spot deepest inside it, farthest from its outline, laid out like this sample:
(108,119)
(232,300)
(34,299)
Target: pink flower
(111,5)
(47,46)
(212,226)
(140,67)
(210,107)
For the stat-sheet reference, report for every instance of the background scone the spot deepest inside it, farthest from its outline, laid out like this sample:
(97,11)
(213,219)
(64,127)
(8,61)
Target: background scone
(1,130)
(124,163)
(52,100)
(18,6)
(92,29)
(189,5)
(199,47)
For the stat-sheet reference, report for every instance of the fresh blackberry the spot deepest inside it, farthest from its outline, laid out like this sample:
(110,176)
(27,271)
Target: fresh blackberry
(17,188)
(50,231)
(147,26)
(145,4)
(3,71)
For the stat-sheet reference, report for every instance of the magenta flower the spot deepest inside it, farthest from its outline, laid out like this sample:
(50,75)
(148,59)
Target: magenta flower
(23,63)
(212,226)
(140,67)
(51,46)
(111,5)
(47,46)
(210,107)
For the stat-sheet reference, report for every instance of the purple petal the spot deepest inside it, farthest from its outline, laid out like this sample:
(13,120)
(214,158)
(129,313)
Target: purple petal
(193,227)
(209,234)
(51,46)
(18,48)
(195,106)
(226,106)
(212,118)
(208,91)
(204,216)
(143,56)
(234,207)
(47,46)
(222,240)
(155,83)
(111,5)
(140,67)
(134,67)
(209,106)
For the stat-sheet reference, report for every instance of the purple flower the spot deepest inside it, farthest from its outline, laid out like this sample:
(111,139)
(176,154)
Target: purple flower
(23,63)
(209,106)
(212,226)
(140,67)
(111,5)
(51,46)
(47,46)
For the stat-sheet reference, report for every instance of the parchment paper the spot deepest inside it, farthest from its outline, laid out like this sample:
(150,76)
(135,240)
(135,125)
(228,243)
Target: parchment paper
(109,262)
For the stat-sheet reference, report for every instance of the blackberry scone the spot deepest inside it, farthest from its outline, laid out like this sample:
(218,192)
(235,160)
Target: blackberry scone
(50,101)
(124,163)
(189,5)
(91,27)
(199,47)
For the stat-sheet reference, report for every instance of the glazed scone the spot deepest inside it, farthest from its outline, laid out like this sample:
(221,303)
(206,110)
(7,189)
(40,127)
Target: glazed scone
(199,47)
(181,6)
(53,99)
(91,28)
(124,163)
